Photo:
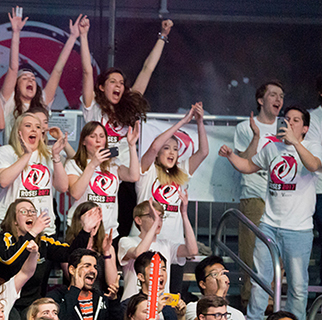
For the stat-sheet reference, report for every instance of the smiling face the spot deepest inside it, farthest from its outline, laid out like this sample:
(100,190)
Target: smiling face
(295,119)
(25,217)
(87,268)
(27,86)
(30,129)
(95,141)
(113,87)
(48,310)
(272,102)
(168,155)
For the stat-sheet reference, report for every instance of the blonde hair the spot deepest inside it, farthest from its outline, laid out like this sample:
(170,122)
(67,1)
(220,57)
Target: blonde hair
(173,175)
(34,307)
(144,206)
(14,139)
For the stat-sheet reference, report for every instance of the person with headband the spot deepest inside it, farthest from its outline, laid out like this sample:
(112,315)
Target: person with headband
(20,90)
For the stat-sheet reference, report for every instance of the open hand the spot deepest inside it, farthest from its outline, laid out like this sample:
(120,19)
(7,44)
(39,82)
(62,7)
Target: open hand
(16,19)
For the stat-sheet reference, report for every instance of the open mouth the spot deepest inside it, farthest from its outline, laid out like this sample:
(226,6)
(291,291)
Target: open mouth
(30,87)
(277,106)
(29,222)
(90,278)
(161,283)
(117,93)
(32,138)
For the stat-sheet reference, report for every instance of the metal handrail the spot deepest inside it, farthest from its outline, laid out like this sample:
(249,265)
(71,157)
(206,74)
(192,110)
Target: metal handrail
(276,294)
(316,305)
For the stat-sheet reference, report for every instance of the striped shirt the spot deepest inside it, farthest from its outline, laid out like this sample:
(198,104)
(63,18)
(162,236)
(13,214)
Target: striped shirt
(86,305)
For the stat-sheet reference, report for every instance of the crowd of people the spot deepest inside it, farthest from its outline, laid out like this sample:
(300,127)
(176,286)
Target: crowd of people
(277,193)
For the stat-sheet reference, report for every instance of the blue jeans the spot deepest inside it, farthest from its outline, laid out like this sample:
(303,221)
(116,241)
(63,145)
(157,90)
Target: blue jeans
(295,250)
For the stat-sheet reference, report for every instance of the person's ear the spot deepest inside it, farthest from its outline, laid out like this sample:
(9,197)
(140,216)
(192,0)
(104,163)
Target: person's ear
(305,130)
(202,284)
(101,87)
(201,317)
(141,277)
(260,101)
(71,270)
(138,220)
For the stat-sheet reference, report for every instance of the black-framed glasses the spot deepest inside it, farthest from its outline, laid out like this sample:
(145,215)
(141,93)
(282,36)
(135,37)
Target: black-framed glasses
(214,274)
(25,211)
(219,316)
(162,215)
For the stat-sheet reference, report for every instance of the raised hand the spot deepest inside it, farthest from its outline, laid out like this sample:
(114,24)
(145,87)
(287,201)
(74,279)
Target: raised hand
(287,134)
(253,125)
(113,289)
(59,145)
(100,156)
(198,111)
(166,26)
(189,115)
(84,25)
(79,277)
(107,243)
(184,201)
(55,132)
(133,134)
(91,219)
(32,246)
(155,214)
(222,283)
(74,28)
(225,151)
(26,148)
(41,223)
(16,19)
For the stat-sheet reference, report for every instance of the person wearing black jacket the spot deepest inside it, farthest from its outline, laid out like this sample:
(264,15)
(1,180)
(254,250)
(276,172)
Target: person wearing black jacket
(81,300)
(19,227)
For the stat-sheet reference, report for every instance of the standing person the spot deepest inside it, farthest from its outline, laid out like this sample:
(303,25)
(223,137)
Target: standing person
(20,90)
(94,176)
(212,279)
(290,202)
(250,137)
(148,216)
(10,290)
(19,227)
(80,300)
(29,170)
(111,101)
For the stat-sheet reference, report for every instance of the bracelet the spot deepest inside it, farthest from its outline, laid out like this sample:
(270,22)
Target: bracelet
(107,257)
(164,38)
(55,160)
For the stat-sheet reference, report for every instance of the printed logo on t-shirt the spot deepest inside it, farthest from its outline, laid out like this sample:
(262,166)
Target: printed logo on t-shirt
(283,170)
(186,145)
(115,133)
(104,185)
(166,195)
(36,180)
(265,140)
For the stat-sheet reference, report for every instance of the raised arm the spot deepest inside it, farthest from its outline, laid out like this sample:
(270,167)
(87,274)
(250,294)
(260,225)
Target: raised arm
(252,148)
(52,84)
(309,161)
(88,81)
(147,238)
(11,77)
(56,133)
(153,58)
(203,150)
(60,178)
(28,268)
(190,247)
(150,155)
(240,164)
(109,259)
(131,173)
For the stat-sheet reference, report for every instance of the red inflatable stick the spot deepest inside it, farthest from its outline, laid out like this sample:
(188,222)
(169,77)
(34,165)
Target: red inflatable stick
(154,287)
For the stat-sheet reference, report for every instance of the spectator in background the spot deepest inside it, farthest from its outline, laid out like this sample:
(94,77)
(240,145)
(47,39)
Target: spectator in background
(213,307)
(43,308)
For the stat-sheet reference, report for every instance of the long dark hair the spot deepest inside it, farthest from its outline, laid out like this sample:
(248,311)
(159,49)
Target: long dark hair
(131,107)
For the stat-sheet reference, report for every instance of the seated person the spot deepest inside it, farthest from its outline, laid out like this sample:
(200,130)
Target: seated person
(43,308)
(282,315)
(80,299)
(212,307)
(148,217)
(137,307)
(212,281)
(142,268)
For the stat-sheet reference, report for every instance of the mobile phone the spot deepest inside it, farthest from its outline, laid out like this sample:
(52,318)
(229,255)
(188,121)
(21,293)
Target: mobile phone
(46,211)
(171,299)
(114,151)
(280,124)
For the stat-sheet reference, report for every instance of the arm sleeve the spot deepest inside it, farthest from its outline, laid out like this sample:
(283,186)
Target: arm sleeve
(314,133)
(242,136)
(60,252)
(125,244)
(261,158)
(114,310)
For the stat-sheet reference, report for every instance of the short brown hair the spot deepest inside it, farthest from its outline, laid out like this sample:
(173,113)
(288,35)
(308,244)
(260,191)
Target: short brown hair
(207,302)
(34,307)
(142,207)
(260,92)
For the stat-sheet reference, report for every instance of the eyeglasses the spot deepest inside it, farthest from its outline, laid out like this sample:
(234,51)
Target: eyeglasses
(214,274)
(162,215)
(219,316)
(25,211)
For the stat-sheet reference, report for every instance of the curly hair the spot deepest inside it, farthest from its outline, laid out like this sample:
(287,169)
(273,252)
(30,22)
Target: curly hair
(131,107)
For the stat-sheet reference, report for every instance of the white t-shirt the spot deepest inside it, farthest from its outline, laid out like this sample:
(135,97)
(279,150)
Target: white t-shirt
(9,296)
(290,199)
(8,108)
(168,196)
(315,134)
(166,247)
(102,189)
(116,134)
(254,185)
(191,312)
(34,183)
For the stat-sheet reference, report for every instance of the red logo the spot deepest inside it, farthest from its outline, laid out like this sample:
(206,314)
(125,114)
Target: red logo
(186,145)
(37,177)
(264,141)
(167,194)
(283,169)
(104,184)
(118,131)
